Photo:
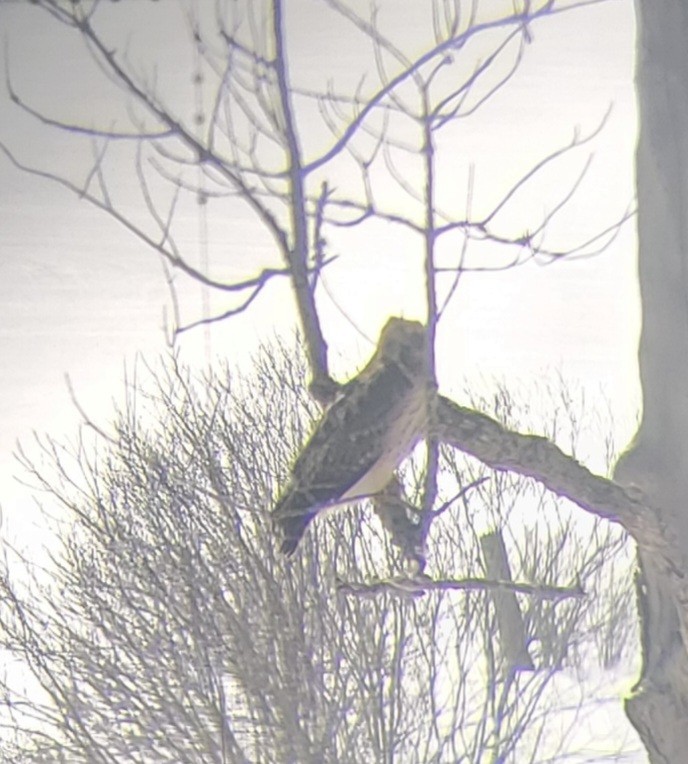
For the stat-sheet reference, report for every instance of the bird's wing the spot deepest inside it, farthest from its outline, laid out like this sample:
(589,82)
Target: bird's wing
(346,445)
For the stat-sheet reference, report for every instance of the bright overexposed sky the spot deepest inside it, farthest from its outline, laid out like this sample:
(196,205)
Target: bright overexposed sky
(81,296)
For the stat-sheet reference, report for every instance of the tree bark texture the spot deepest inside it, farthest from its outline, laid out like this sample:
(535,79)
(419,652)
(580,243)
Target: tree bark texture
(657,462)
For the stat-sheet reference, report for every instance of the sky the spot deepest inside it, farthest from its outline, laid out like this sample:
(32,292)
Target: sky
(82,297)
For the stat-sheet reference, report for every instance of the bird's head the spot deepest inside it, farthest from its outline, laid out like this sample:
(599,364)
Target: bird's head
(405,342)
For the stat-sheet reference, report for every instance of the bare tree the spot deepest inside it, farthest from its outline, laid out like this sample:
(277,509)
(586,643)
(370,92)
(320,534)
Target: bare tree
(167,628)
(244,142)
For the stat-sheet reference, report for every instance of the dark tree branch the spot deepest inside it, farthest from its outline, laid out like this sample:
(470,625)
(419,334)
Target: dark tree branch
(419,585)
(536,457)
(298,253)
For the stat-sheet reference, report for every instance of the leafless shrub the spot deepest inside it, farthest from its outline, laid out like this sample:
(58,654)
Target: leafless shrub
(166,628)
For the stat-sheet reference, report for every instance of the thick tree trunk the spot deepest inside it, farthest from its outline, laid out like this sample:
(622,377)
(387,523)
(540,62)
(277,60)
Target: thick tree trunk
(657,462)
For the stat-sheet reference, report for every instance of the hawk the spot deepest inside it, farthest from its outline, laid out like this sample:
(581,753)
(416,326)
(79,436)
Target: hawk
(370,428)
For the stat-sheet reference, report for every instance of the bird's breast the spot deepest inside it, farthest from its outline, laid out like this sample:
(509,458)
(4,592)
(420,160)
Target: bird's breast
(407,427)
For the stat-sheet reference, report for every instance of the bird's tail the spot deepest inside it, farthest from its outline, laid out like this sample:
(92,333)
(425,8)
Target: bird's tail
(291,525)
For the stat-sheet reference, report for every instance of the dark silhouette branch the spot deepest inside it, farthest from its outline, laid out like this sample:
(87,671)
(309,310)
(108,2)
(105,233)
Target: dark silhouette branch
(299,250)
(421,584)
(534,456)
